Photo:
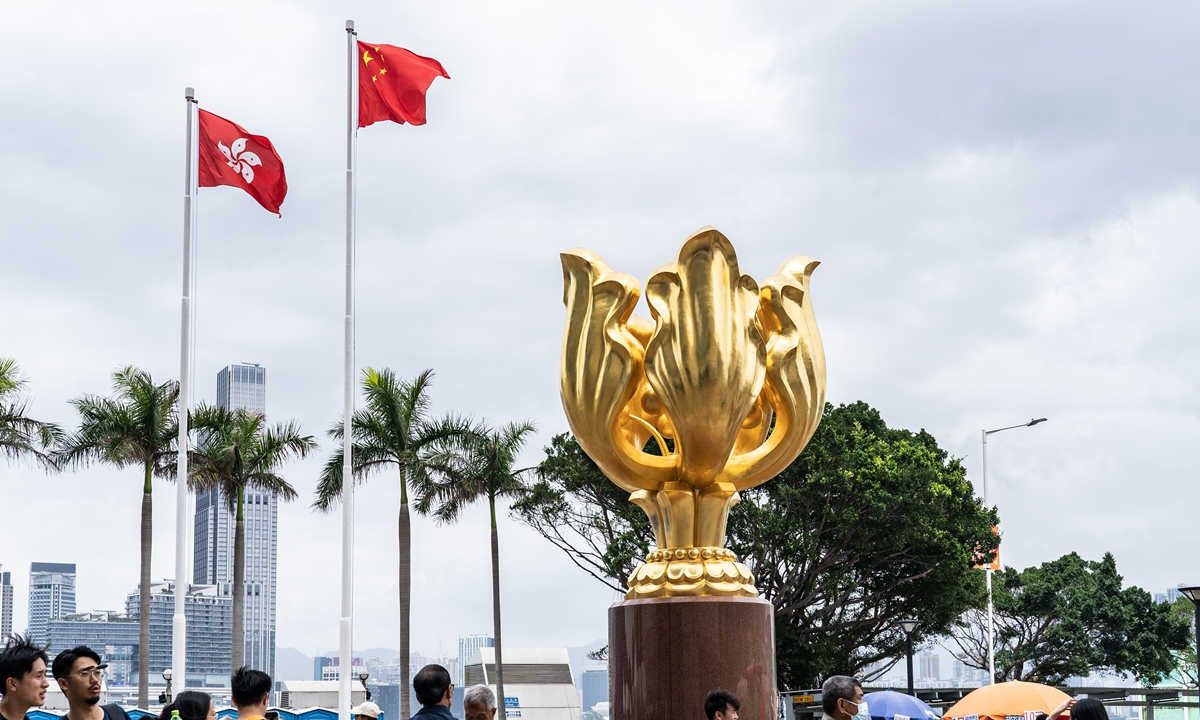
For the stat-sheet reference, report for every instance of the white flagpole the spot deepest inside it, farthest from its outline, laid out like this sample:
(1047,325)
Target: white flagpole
(182,517)
(345,671)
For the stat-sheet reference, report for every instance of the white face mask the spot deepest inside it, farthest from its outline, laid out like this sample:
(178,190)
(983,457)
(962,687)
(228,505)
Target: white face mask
(862,713)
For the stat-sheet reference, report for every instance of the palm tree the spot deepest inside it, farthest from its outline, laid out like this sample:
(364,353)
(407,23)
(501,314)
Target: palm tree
(479,466)
(394,428)
(138,425)
(237,451)
(20,435)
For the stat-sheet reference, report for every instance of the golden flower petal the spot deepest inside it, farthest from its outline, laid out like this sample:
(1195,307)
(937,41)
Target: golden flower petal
(707,359)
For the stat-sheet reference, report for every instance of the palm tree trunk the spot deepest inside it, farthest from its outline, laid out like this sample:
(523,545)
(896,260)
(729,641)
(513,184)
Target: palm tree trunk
(496,611)
(144,593)
(405,596)
(239,582)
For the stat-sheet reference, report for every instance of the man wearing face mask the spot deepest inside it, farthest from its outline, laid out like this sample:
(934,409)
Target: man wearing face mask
(842,699)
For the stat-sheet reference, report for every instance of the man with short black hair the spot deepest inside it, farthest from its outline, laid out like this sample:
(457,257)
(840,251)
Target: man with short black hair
(479,703)
(842,698)
(722,705)
(435,692)
(23,680)
(250,693)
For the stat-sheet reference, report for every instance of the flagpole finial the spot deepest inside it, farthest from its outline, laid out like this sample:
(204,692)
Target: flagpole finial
(349,26)
(189,93)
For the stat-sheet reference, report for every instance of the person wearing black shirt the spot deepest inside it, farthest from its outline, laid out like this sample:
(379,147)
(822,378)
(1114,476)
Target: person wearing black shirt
(79,674)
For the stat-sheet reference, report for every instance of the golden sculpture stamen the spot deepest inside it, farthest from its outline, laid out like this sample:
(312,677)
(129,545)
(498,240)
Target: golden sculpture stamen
(728,378)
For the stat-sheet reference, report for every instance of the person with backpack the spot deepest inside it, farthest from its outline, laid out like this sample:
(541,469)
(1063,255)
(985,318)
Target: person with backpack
(79,673)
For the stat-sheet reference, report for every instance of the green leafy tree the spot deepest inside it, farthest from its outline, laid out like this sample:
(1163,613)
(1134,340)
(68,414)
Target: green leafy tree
(1068,617)
(20,435)
(394,429)
(576,508)
(870,525)
(479,467)
(136,426)
(1185,659)
(237,451)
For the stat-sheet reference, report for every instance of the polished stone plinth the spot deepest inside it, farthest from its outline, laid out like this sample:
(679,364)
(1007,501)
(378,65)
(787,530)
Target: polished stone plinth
(666,654)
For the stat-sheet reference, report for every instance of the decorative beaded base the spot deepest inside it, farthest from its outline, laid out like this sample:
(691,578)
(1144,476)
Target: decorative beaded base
(691,571)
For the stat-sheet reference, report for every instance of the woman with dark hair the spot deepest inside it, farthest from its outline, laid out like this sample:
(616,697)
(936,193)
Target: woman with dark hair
(1089,709)
(192,705)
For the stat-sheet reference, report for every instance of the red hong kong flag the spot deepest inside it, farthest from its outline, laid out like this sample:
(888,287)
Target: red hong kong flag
(231,156)
(392,83)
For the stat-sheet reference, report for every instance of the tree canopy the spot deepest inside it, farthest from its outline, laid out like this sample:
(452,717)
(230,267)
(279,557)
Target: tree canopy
(572,504)
(1070,617)
(1185,658)
(870,525)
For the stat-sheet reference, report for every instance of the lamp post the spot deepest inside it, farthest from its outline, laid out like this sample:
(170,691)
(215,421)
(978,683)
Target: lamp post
(167,695)
(991,614)
(1193,594)
(909,626)
(362,677)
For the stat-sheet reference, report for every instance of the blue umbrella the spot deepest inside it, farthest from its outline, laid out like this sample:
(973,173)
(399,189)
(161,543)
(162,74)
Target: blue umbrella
(891,705)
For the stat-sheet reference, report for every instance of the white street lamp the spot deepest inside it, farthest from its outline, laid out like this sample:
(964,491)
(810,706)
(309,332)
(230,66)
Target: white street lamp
(991,614)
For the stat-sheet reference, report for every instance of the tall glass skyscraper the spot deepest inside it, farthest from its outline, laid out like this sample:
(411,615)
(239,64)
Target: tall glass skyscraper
(468,648)
(51,595)
(6,603)
(245,387)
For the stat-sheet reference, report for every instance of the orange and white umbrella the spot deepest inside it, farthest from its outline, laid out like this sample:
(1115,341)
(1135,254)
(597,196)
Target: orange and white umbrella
(1013,700)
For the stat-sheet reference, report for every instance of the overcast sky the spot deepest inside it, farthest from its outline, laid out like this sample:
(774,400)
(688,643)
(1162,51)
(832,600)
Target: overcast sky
(1003,195)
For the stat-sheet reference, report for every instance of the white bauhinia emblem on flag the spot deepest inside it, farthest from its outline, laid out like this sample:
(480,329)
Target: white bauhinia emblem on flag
(239,158)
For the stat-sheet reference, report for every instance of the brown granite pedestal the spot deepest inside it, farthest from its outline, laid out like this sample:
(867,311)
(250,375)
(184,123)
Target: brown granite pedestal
(666,654)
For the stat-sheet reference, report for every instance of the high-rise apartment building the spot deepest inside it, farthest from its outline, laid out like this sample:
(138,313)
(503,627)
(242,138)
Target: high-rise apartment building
(321,662)
(209,626)
(965,675)
(929,665)
(244,387)
(51,595)
(468,647)
(6,603)
(113,636)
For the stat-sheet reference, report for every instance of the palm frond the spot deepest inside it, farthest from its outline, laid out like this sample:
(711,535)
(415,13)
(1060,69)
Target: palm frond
(466,468)
(236,452)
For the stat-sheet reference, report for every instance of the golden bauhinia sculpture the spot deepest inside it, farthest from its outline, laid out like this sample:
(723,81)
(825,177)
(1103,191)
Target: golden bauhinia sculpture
(728,378)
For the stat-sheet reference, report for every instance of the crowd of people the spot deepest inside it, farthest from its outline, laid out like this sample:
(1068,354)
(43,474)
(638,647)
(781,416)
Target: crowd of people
(25,672)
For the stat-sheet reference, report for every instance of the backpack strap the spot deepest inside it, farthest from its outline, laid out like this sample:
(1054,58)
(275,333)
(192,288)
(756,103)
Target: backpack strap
(115,712)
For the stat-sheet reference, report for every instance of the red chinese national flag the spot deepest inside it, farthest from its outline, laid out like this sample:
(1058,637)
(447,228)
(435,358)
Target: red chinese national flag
(231,156)
(392,83)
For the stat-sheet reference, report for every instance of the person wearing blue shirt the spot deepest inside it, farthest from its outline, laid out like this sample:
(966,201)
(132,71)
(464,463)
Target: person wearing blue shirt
(435,693)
